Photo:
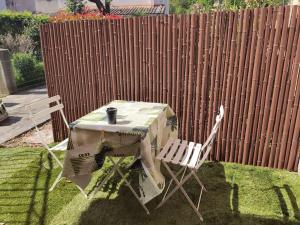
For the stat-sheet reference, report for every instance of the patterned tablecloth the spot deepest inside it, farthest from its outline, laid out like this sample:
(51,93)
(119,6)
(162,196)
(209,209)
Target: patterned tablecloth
(142,129)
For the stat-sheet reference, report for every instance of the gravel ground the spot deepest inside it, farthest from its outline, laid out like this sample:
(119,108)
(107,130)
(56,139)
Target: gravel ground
(31,138)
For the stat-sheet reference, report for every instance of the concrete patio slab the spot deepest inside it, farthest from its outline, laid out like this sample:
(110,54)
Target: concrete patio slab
(18,121)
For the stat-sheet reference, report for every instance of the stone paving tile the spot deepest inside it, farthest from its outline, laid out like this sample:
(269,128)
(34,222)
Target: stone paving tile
(18,121)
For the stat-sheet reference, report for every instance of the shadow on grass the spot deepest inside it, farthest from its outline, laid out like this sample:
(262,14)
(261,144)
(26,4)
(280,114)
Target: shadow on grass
(217,207)
(24,194)
(293,201)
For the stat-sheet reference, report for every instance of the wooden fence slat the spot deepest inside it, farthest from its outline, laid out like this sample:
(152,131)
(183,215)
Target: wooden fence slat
(254,83)
(261,90)
(229,85)
(273,76)
(219,146)
(202,22)
(229,152)
(284,54)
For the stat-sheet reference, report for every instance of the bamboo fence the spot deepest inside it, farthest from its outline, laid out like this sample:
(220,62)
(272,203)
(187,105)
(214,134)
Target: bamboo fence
(248,60)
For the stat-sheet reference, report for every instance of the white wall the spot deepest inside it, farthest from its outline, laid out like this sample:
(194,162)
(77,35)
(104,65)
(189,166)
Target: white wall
(124,3)
(21,5)
(294,2)
(49,6)
(2,4)
(121,3)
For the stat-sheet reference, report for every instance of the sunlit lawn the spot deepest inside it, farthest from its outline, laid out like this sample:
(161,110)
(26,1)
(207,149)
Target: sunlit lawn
(236,194)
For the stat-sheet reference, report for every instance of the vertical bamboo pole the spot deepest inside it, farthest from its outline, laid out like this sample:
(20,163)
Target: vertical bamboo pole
(190,76)
(292,82)
(229,152)
(127,58)
(267,85)
(124,58)
(249,71)
(150,59)
(118,49)
(284,54)
(92,59)
(183,73)
(229,83)
(131,58)
(201,40)
(292,160)
(83,67)
(157,57)
(174,57)
(186,75)
(108,85)
(59,78)
(179,67)
(291,150)
(224,80)
(271,133)
(96,68)
(254,83)
(164,65)
(245,33)
(270,72)
(161,58)
(169,60)
(205,77)
(261,90)
(214,45)
(155,53)
(141,59)
(69,39)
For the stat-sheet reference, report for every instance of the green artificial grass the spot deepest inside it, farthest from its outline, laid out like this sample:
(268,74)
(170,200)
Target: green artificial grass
(237,194)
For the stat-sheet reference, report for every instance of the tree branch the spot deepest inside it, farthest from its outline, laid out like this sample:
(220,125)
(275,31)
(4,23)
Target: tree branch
(100,6)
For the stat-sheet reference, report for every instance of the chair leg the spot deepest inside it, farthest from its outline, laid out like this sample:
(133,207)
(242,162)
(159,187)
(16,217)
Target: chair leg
(198,180)
(82,191)
(171,181)
(55,158)
(182,181)
(179,185)
(112,171)
(174,190)
(59,177)
(129,185)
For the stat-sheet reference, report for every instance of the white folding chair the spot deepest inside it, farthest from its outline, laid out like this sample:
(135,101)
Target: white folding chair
(190,156)
(116,168)
(35,117)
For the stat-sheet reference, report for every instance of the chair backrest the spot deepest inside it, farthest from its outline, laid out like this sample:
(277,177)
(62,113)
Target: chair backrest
(36,116)
(207,146)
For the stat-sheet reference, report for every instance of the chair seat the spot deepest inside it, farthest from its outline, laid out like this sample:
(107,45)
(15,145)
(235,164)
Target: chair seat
(181,152)
(62,146)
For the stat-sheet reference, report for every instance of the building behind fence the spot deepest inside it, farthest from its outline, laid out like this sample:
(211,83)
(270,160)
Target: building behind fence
(249,61)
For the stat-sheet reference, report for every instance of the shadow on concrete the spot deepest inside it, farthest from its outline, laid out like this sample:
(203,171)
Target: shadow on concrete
(33,92)
(10,104)
(10,120)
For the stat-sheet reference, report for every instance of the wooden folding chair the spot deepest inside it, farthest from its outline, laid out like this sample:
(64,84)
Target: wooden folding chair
(35,117)
(190,156)
(116,168)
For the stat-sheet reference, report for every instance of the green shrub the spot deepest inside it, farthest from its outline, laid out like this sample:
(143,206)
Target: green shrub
(23,23)
(16,43)
(39,70)
(75,6)
(15,22)
(32,31)
(196,6)
(27,69)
